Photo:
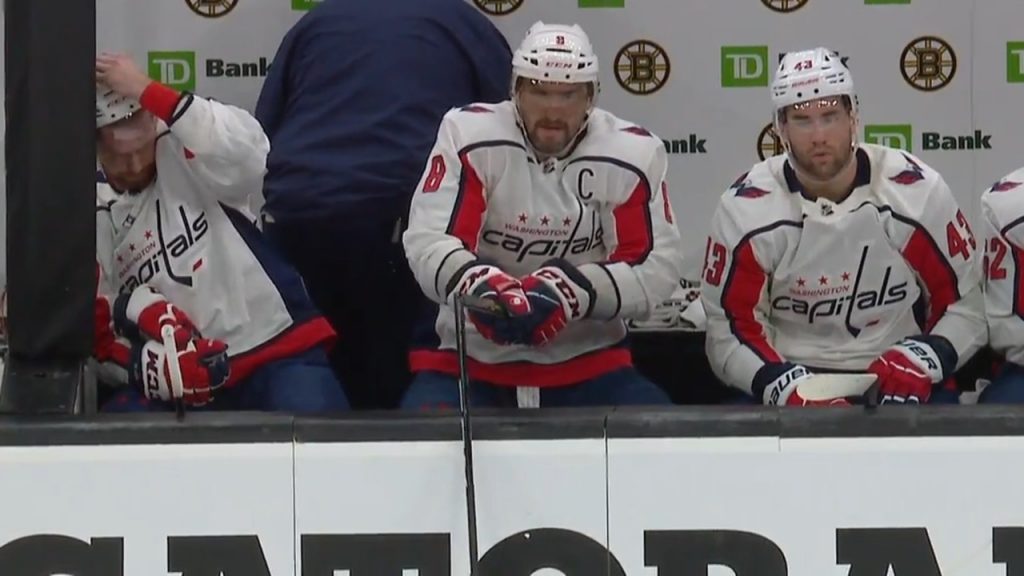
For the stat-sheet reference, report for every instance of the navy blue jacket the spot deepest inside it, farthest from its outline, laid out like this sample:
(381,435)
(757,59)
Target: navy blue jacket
(355,96)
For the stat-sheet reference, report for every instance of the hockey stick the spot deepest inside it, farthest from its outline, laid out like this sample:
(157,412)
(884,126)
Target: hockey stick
(467,425)
(177,384)
(856,387)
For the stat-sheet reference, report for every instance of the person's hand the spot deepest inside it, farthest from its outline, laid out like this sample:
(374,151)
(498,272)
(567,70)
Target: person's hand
(505,296)
(203,365)
(558,294)
(143,313)
(906,372)
(119,72)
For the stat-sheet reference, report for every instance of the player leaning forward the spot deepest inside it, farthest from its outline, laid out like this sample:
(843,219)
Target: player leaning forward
(555,211)
(176,246)
(838,257)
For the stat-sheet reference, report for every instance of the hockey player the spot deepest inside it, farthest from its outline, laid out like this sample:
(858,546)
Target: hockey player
(838,257)
(557,213)
(1002,210)
(177,247)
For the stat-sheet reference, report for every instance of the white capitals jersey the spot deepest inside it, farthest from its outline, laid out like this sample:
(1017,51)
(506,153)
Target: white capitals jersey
(191,236)
(604,207)
(831,286)
(1002,210)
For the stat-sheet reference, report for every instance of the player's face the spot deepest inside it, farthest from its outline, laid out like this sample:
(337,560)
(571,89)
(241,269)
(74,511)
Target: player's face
(127,152)
(820,136)
(552,112)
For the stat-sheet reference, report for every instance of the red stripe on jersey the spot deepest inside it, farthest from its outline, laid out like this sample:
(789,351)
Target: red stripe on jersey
(740,297)
(574,371)
(1018,280)
(293,341)
(469,206)
(924,256)
(633,226)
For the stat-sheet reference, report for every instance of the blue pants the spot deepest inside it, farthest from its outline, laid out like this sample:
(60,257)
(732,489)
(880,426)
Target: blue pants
(619,388)
(1006,388)
(302,383)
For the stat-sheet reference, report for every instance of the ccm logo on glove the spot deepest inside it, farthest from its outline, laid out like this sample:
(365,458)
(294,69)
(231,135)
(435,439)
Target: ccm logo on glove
(569,296)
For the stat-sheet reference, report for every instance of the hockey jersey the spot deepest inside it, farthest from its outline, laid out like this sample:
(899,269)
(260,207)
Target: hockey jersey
(831,285)
(191,236)
(1002,211)
(604,207)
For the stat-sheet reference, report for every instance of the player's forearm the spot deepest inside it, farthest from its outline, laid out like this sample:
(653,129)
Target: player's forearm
(632,292)
(437,261)
(963,324)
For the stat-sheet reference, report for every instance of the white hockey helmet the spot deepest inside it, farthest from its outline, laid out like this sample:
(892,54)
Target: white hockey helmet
(111,106)
(555,53)
(808,75)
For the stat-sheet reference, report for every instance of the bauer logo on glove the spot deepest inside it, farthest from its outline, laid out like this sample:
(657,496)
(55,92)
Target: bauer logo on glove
(203,365)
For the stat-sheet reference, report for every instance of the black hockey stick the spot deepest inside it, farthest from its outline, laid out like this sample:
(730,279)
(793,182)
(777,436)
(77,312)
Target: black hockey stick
(462,302)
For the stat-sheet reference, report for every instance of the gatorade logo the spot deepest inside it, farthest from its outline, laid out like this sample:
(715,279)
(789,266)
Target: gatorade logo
(744,66)
(175,69)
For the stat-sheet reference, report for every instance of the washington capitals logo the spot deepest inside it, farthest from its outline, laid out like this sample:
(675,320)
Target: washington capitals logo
(638,131)
(913,173)
(745,190)
(1004,185)
(475,108)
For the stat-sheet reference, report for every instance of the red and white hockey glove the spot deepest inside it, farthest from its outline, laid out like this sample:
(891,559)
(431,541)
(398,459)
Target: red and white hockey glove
(780,383)
(203,364)
(558,294)
(142,314)
(505,296)
(907,371)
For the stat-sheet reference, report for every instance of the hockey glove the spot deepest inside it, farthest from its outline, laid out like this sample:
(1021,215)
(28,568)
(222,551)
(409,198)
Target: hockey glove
(907,371)
(780,383)
(487,282)
(203,364)
(142,314)
(558,294)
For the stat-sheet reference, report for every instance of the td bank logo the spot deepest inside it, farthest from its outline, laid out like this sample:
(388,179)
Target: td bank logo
(175,69)
(304,4)
(1015,62)
(744,66)
(892,135)
(902,136)
(179,70)
(602,3)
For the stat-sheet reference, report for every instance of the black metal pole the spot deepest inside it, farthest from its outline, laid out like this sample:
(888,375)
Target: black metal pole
(51,229)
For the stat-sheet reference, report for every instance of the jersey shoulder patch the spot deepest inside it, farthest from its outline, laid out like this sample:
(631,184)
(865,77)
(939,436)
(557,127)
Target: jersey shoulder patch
(744,188)
(912,173)
(476,109)
(638,130)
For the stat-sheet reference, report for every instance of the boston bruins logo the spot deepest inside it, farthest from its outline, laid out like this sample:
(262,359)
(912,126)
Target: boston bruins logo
(785,5)
(498,7)
(642,67)
(928,63)
(211,8)
(768,143)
